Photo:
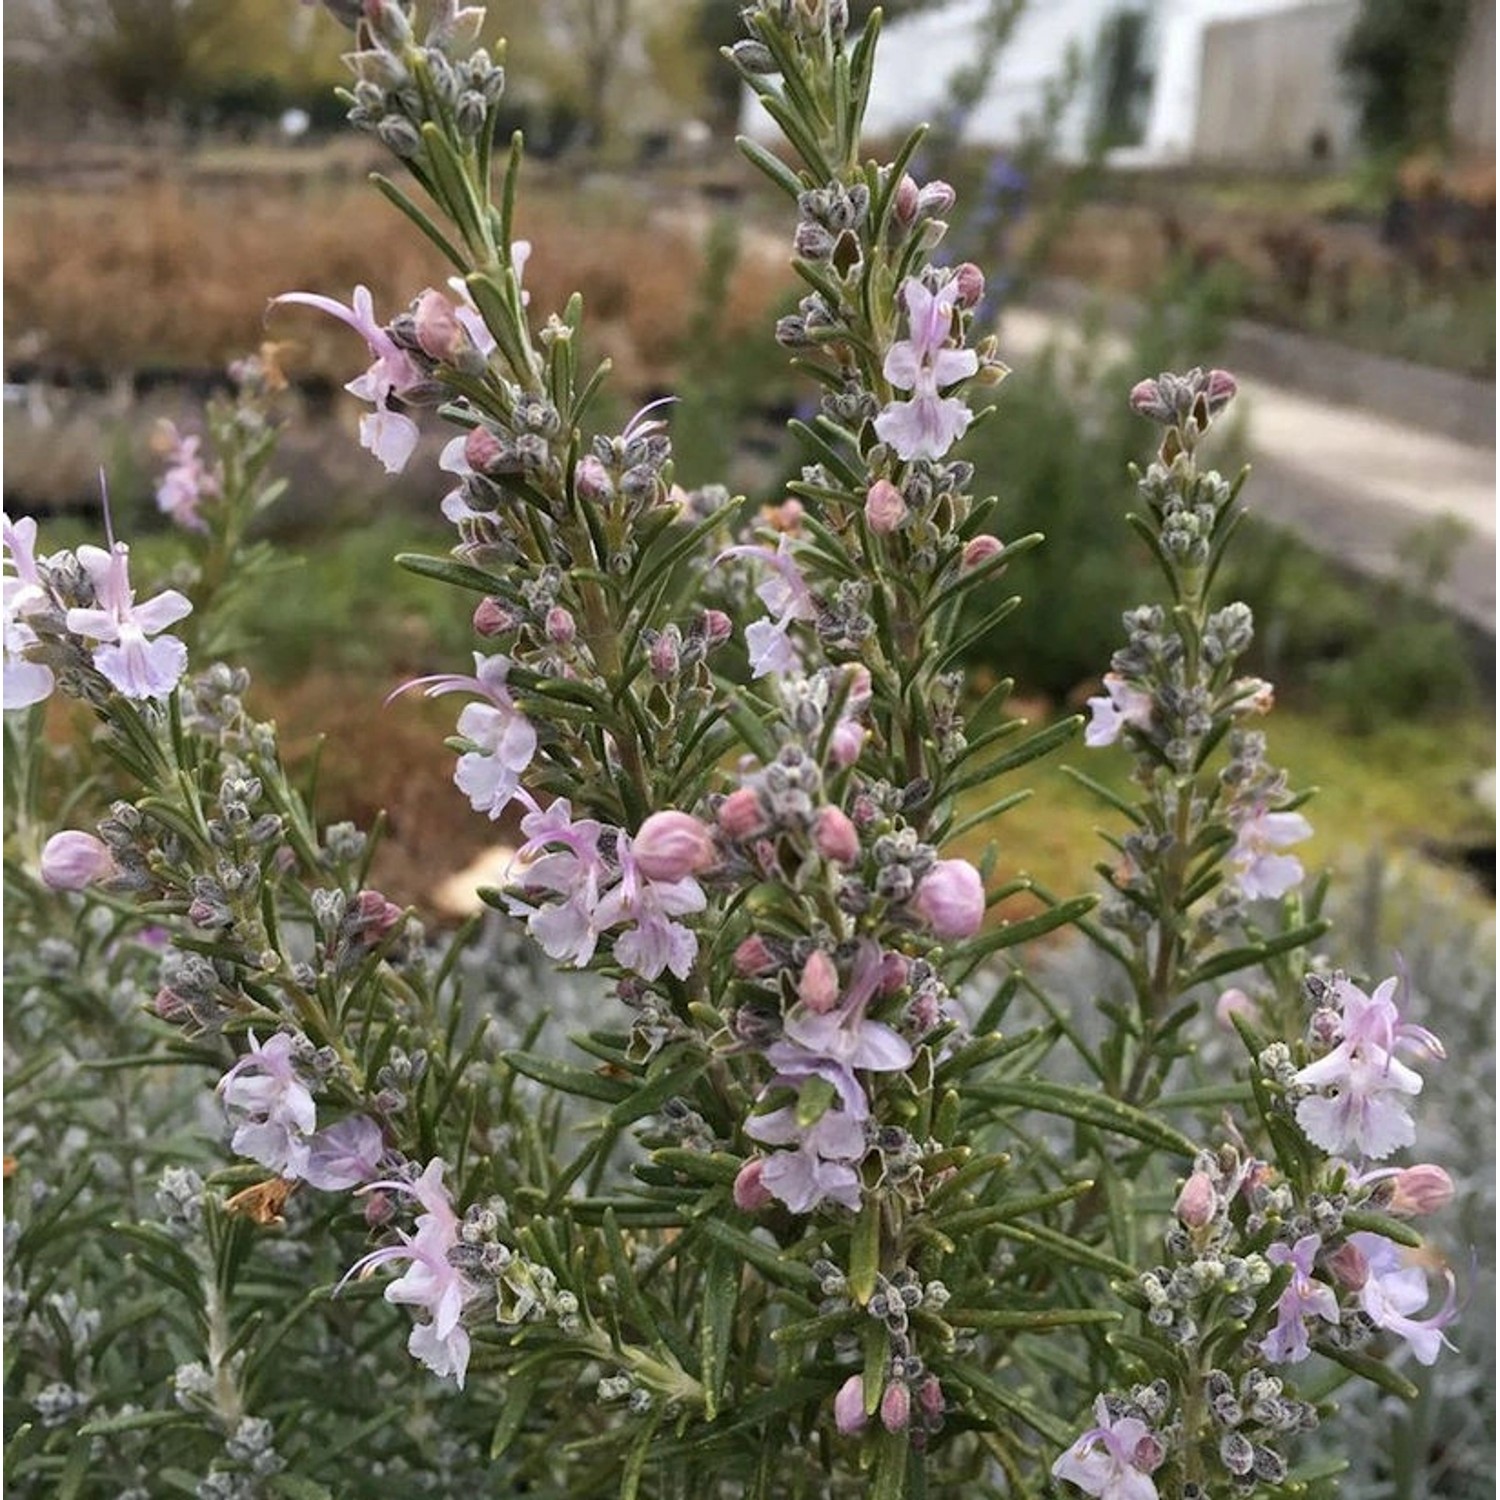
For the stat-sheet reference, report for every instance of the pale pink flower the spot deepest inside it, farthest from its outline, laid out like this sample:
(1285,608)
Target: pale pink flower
(824,1165)
(135,666)
(1303,1298)
(1360,1106)
(389,435)
(785,594)
(72,861)
(567,930)
(1392,1291)
(1120,706)
(885,507)
(504,738)
(277,1110)
(928,424)
(1264,874)
(653,942)
(832,1044)
(1112,1460)
(25,682)
(430,1282)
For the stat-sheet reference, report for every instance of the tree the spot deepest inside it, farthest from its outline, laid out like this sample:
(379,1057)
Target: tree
(1398,59)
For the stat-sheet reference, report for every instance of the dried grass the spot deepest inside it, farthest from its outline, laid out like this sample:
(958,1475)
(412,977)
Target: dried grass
(177,273)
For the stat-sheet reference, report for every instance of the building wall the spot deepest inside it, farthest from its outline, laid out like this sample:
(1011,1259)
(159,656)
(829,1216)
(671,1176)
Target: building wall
(1472,111)
(1271,91)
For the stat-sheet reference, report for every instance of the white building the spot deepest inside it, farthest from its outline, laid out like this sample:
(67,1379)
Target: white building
(1166,80)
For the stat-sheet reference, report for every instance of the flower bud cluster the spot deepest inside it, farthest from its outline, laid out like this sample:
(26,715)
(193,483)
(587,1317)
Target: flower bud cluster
(401,85)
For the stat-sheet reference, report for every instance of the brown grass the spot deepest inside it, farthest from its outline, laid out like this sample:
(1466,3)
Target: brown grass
(177,272)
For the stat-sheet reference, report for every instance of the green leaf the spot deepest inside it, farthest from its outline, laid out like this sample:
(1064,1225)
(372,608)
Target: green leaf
(447,570)
(774,168)
(1385,1226)
(864,1250)
(773,1263)
(1243,958)
(721,1294)
(568,1079)
(889,1481)
(1087,1107)
(299,1487)
(1008,934)
(519,1389)
(1023,1320)
(1376,1371)
(1005,1402)
(655,1092)
(135,1421)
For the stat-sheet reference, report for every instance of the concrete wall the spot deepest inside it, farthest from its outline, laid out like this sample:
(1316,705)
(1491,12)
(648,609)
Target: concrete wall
(1271,87)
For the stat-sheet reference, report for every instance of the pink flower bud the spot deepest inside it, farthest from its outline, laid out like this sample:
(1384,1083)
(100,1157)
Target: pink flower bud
(169,1006)
(1235,1002)
(846,742)
(665,656)
(1422,1189)
(979,550)
(740,815)
(482,450)
(375,916)
(72,861)
(1147,399)
(895,1407)
(560,625)
(885,507)
(591,480)
(1349,1265)
(672,846)
(1148,1454)
(378,1209)
(861,688)
(930,1397)
(1198,1202)
(753,956)
(908,197)
(849,1405)
(439,333)
(818,989)
(1220,390)
(835,836)
(785,517)
(492,618)
(968,280)
(717,627)
(895,971)
(950,899)
(750,1193)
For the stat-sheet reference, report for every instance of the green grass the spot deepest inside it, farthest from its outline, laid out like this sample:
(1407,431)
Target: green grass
(1403,789)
